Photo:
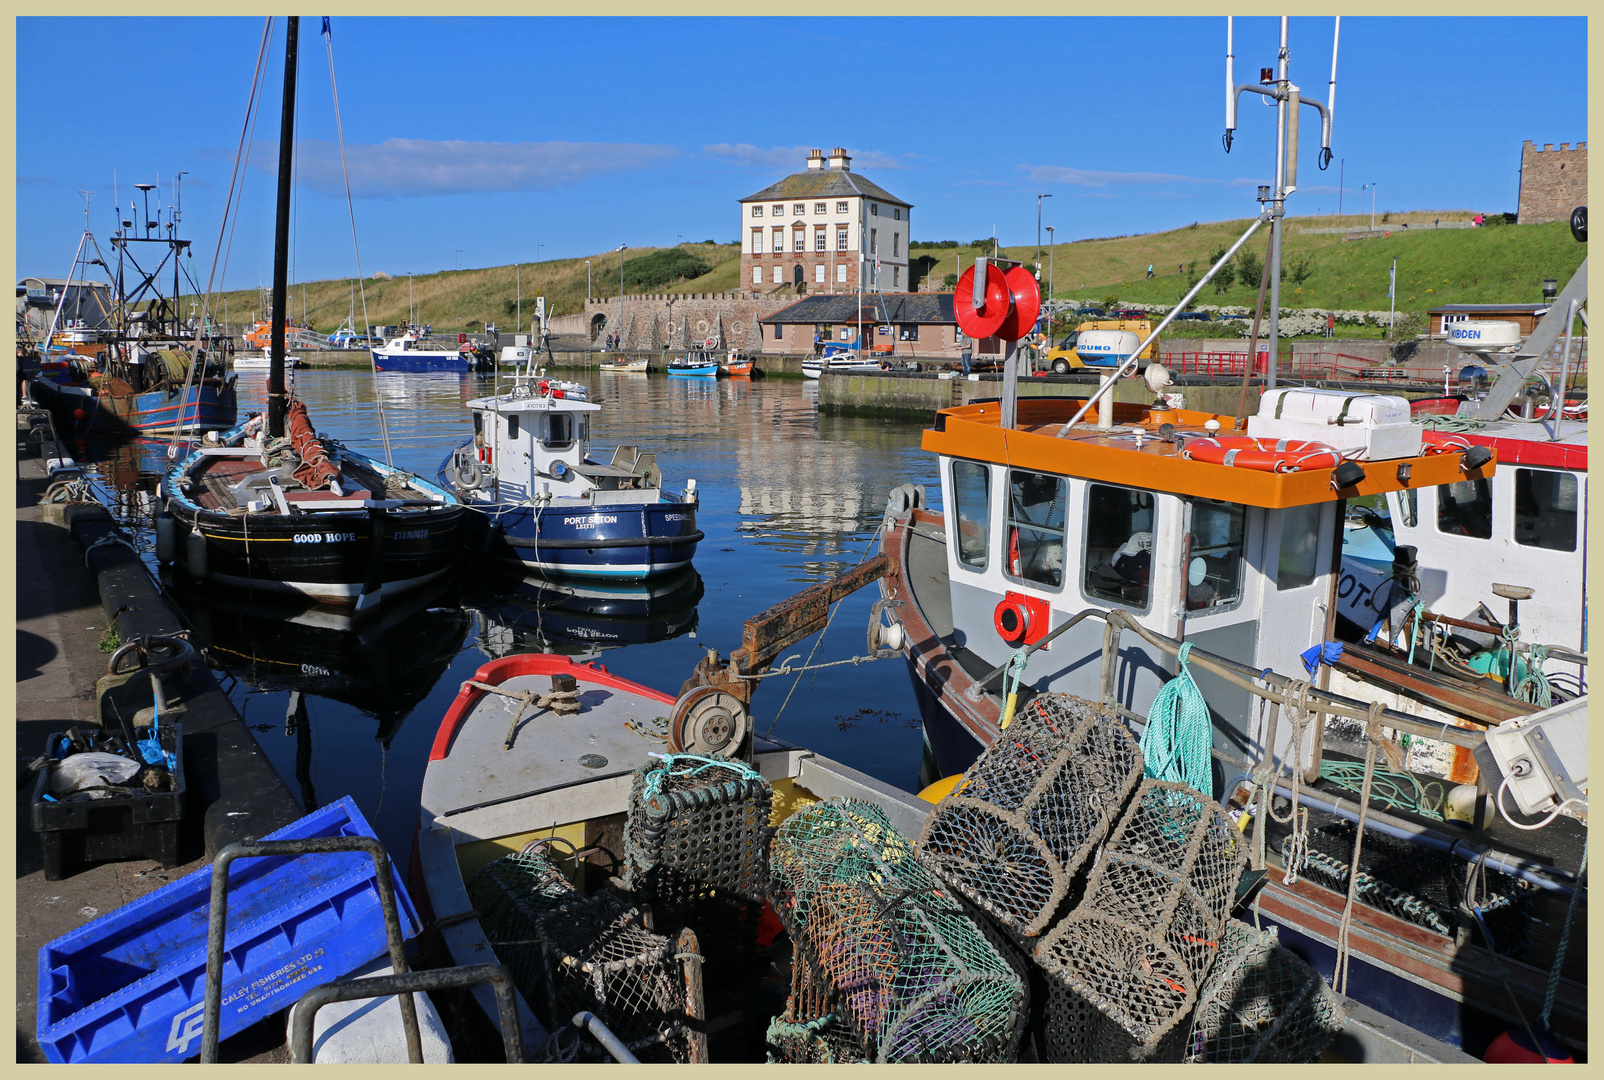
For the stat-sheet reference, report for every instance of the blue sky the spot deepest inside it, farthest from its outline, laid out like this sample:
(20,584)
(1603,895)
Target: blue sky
(480,142)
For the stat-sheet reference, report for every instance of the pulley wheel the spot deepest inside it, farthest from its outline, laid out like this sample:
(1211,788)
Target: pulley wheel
(981,322)
(707,720)
(1026,297)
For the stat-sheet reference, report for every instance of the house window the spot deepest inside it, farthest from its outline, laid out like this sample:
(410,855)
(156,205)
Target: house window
(841,271)
(779,276)
(896,244)
(1035,527)
(874,241)
(799,240)
(1545,509)
(874,209)
(909,332)
(779,209)
(896,213)
(1466,508)
(818,273)
(778,330)
(1214,554)
(820,208)
(971,500)
(896,277)
(824,332)
(819,239)
(841,239)
(757,241)
(1119,544)
(799,208)
(779,241)
(841,207)
(757,211)
(757,275)
(1300,546)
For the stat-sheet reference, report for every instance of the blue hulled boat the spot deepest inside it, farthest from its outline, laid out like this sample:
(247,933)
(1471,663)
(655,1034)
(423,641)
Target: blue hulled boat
(696,365)
(538,499)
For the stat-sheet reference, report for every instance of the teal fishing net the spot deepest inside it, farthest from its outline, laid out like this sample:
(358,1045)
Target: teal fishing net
(510,894)
(1032,809)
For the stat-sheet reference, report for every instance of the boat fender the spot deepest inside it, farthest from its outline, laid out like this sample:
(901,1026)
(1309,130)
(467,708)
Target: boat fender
(195,555)
(469,475)
(166,538)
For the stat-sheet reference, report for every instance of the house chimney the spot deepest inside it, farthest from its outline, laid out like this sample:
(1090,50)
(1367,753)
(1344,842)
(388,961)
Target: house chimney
(815,159)
(839,159)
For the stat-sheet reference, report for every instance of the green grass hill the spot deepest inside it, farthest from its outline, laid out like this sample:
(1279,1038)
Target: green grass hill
(1491,264)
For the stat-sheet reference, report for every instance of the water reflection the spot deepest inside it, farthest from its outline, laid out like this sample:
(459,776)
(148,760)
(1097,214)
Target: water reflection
(581,619)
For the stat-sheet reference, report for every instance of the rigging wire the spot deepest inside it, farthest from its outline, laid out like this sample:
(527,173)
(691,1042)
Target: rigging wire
(345,171)
(245,129)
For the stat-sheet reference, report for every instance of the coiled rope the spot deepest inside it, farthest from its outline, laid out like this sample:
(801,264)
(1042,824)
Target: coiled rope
(1178,738)
(1394,790)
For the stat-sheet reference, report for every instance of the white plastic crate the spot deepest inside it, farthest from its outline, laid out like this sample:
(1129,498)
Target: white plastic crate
(1369,427)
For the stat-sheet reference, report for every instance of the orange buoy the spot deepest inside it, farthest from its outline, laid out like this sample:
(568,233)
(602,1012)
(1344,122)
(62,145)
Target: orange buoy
(1266,455)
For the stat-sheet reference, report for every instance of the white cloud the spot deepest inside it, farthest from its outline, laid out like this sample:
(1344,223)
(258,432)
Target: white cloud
(399,167)
(1098,178)
(794,158)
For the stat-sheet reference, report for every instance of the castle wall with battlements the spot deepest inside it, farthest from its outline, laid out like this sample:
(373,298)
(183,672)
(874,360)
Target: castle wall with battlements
(1552,182)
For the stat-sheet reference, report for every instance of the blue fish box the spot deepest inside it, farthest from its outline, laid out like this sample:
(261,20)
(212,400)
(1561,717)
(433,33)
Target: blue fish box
(130,986)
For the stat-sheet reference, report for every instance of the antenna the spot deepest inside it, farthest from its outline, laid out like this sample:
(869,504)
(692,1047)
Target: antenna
(178,197)
(87,195)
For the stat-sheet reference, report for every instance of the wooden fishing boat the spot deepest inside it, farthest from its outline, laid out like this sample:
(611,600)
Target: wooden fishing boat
(622,363)
(695,365)
(738,365)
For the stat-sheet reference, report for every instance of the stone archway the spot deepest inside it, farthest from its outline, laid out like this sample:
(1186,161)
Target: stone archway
(598,323)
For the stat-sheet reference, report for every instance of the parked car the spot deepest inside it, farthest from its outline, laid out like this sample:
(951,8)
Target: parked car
(1129,313)
(1090,312)
(1196,316)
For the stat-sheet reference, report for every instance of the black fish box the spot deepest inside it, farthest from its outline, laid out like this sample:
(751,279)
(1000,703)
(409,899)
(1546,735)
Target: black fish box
(123,826)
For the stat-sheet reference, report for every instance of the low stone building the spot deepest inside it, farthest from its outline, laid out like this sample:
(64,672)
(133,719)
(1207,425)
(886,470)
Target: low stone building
(910,324)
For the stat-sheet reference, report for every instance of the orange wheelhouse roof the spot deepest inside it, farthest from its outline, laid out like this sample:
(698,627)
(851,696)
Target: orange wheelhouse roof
(1112,456)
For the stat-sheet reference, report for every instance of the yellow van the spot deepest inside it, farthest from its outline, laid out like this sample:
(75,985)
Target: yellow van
(1062,358)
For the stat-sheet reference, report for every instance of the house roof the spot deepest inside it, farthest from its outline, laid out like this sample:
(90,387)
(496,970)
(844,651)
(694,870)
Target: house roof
(1525,309)
(928,308)
(824,183)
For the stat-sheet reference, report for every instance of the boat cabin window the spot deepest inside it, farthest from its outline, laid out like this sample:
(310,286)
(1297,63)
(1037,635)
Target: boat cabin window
(1119,544)
(1036,517)
(478,423)
(512,426)
(559,431)
(1214,554)
(1466,508)
(1300,546)
(1545,509)
(971,498)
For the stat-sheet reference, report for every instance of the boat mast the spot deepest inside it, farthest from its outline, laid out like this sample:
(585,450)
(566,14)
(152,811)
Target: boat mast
(277,398)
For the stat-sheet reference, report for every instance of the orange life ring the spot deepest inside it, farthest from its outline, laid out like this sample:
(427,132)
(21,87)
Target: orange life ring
(1266,455)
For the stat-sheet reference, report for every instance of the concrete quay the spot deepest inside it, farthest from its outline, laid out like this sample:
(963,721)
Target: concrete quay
(70,591)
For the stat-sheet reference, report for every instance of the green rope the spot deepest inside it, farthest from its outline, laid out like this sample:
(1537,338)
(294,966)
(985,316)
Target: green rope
(1396,791)
(1449,423)
(1414,631)
(1178,738)
(1533,687)
(1011,679)
(1564,938)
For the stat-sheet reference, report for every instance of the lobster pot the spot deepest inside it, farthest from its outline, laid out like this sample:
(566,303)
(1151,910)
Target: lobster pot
(510,894)
(838,838)
(1140,943)
(809,1033)
(696,849)
(1032,809)
(599,957)
(1261,1004)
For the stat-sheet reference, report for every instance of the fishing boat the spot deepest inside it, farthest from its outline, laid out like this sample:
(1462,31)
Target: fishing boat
(694,365)
(264,362)
(540,501)
(616,849)
(271,506)
(620,362)
(838,359)
(1466,554)
(414,350)
(140,369)
(738,365)
(1182,569)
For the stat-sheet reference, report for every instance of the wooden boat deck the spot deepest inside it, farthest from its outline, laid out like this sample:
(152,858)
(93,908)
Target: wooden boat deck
(218,476)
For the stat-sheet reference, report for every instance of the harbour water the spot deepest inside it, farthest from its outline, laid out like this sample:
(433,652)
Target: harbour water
(788,498)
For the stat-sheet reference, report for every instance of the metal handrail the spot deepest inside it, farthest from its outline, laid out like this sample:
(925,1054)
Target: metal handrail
(1240,675)
(218,918)
(405,985)
(589,1021)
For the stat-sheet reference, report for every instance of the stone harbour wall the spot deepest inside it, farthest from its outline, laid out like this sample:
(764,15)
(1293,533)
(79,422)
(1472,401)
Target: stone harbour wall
(676,320)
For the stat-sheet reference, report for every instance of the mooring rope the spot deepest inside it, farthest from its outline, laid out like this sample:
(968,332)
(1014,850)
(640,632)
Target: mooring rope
(1374,739)
(1178,738)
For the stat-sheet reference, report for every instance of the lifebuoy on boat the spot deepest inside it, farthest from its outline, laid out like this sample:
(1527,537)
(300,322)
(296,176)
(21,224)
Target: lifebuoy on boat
(469,475)
(1266,455)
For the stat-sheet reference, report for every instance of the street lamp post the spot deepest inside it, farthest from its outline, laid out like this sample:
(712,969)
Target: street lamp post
(1039,198)
(587,281)
(1372,188)
(621,291)
(1049,283)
